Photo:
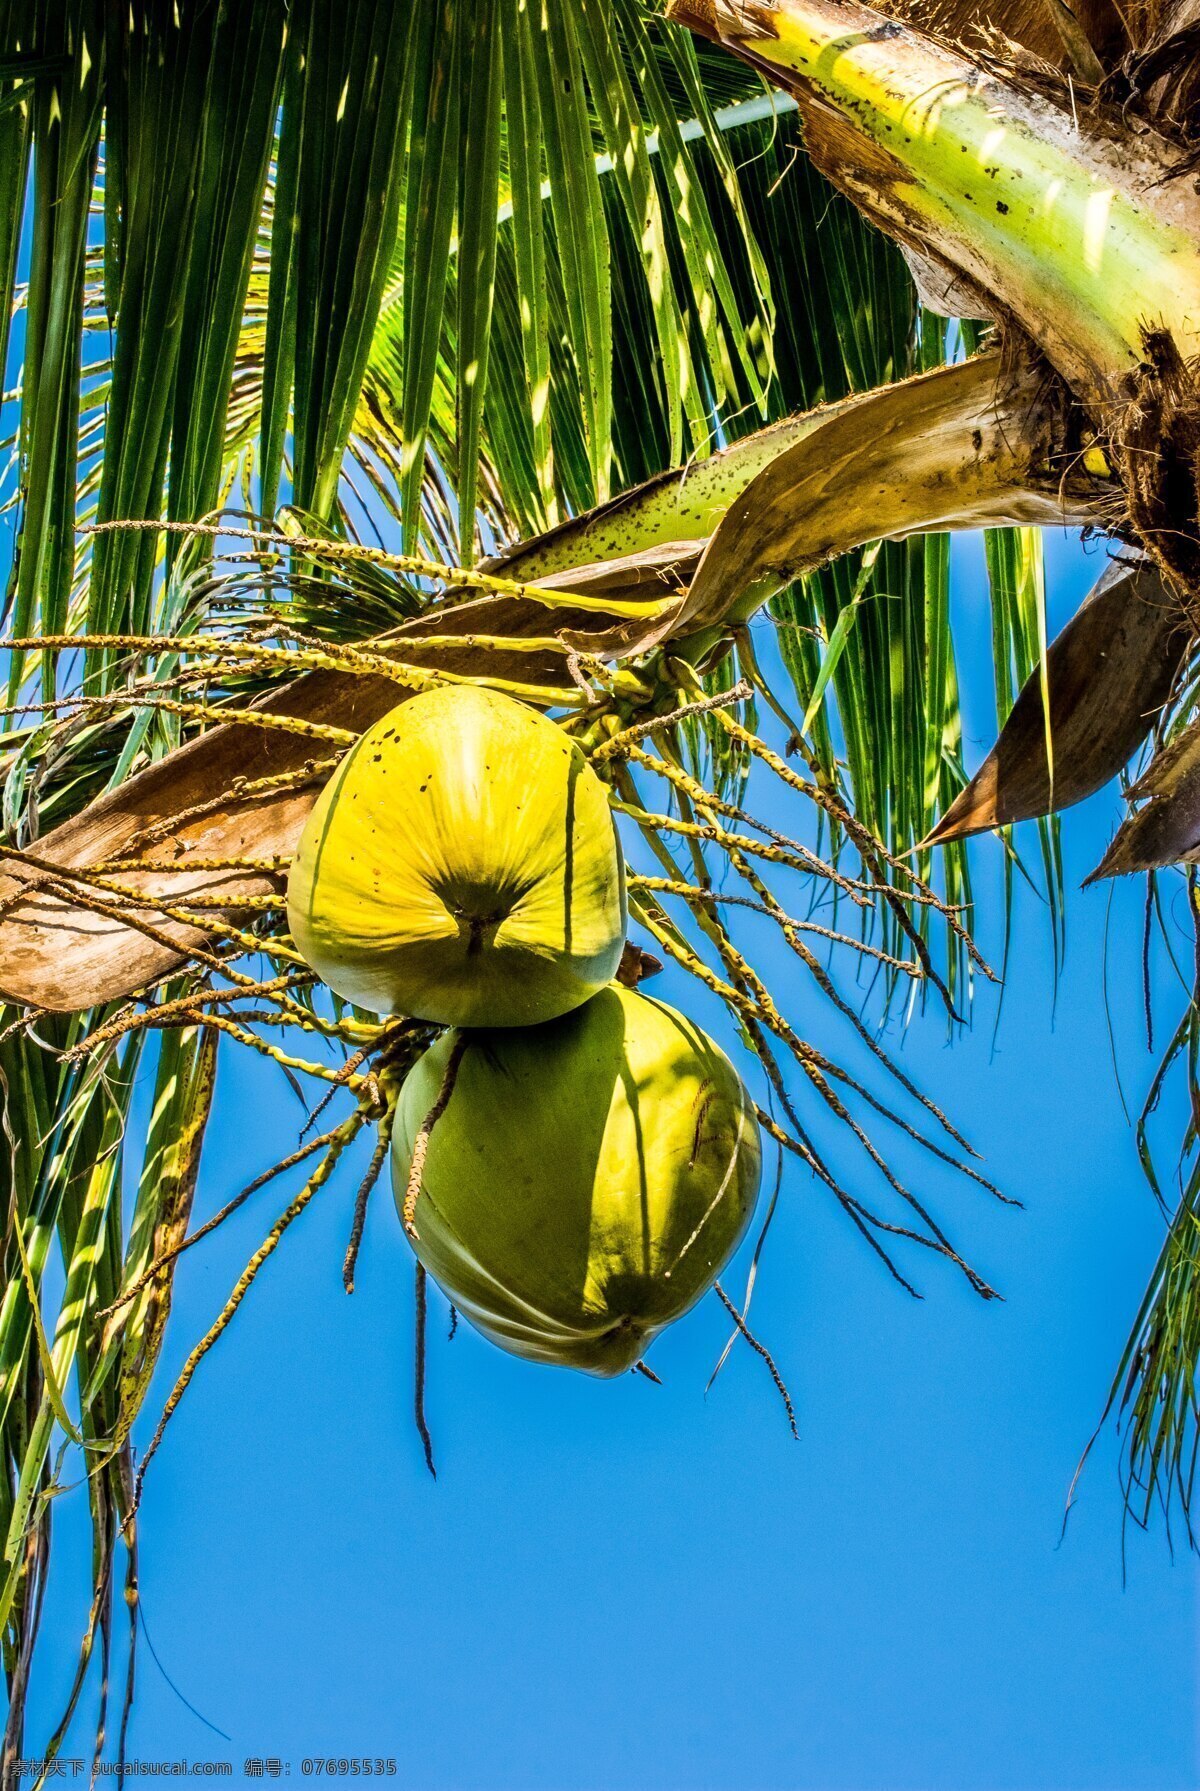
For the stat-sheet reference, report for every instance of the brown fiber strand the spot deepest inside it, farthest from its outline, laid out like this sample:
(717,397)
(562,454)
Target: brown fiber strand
(762,1350)
(419,1369)
(210,1225)
(344,1135)
(378,1157)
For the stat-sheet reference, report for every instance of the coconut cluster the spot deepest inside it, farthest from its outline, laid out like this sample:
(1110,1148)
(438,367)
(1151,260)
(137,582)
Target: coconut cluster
(588,1159)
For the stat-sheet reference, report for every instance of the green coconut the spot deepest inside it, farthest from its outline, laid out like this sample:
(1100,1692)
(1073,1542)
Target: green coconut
(585,1182)
(462,866)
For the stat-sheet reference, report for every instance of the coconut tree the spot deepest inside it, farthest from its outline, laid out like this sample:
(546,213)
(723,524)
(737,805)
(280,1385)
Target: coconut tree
(368,350)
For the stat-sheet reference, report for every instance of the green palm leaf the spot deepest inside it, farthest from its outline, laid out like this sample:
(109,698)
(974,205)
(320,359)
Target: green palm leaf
(457,273)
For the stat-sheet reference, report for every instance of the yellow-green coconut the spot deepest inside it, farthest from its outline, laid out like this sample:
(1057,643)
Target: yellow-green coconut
(586,1181)
(462,866)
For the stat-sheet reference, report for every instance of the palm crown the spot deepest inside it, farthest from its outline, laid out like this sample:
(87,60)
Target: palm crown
(368,347)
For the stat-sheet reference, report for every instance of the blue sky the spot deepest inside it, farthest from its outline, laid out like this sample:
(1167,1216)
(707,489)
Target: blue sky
(620,1587)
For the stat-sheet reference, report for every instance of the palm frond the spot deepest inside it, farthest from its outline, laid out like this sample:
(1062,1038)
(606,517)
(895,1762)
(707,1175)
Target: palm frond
(1153,1396)
(454,274)
(63,117)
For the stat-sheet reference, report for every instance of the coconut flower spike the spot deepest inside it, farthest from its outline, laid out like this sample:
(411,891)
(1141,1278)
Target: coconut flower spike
(342,1137)
(412,1191)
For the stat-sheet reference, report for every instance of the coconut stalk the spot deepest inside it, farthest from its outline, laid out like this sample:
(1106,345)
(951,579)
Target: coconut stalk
(1055,215)
(1086,235)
